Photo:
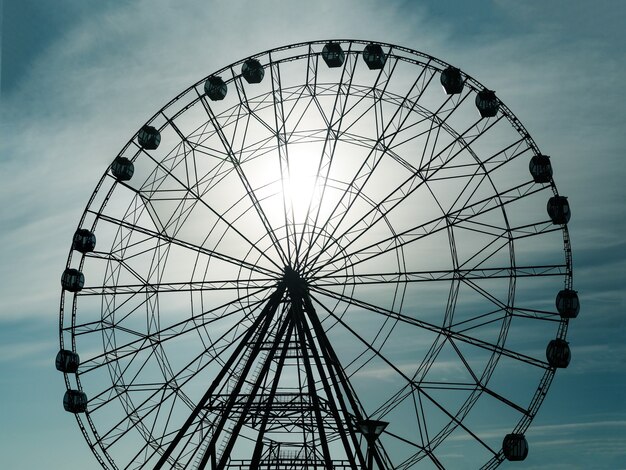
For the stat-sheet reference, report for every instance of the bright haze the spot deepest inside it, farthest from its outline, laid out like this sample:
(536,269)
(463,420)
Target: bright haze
(78,80)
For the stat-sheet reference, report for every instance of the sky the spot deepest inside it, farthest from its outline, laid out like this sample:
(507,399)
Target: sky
(78,77)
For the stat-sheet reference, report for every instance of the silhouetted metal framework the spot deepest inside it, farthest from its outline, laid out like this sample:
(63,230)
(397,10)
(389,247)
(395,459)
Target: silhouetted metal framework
(317,258)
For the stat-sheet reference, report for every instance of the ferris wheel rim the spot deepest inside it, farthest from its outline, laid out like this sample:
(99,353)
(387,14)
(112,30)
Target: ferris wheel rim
(514,121)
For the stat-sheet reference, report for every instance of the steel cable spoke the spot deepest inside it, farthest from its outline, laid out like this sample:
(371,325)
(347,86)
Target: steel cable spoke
(431,327)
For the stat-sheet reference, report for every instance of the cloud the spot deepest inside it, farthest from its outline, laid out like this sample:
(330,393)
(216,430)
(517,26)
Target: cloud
(539,431)
(23,351)
(591,439)
(579,426)
(94,84)
(91,87)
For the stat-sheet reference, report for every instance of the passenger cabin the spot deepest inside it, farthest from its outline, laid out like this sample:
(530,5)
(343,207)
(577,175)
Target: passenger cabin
(558,353)
(540,168)
(252,71)
(451,80)
(515,447)
(72,280)
(215,88)
(558,210)
(122,169)
(487,103)
(84,241)
(75,401)
(67,361)
(567,303)
(333,55)
(374,56)
(149,138)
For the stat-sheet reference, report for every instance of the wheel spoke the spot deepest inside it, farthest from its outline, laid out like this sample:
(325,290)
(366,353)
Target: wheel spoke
(244,180)
(423,230)
(329,280)
(174,331)
(431,327)
(333,127)
(160,236)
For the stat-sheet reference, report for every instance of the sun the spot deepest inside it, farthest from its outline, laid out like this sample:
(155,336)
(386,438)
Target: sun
(302,186)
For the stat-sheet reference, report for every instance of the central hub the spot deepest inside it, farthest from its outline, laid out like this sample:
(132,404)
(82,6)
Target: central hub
(293,281)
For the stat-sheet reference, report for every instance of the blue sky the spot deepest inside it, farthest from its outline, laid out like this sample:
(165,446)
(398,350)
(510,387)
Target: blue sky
(78,77)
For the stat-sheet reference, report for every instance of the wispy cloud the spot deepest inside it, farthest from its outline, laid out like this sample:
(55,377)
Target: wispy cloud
(539,431)
(95,83)
(25,351)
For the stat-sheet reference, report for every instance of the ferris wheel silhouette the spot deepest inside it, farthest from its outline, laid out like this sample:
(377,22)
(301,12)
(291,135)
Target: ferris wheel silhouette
(329,255)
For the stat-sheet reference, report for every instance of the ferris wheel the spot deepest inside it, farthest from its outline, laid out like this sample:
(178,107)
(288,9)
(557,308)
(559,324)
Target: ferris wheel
(329,255)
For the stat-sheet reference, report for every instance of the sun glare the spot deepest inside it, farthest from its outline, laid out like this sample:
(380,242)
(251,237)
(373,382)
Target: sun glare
(301,189)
